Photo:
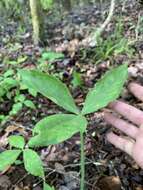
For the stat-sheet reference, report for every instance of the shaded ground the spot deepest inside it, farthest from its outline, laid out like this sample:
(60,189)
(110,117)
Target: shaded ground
(62,161)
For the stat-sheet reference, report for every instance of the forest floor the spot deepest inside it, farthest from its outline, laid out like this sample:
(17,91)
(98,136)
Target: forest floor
(107,168)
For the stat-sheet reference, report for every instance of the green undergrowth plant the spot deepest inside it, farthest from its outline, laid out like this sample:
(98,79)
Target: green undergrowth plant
(18,61)
(47,4)
(12,8)
(11,89)
(113,45)
(139,28)
(7,82)
(57,128)
(45,62)
(77,79)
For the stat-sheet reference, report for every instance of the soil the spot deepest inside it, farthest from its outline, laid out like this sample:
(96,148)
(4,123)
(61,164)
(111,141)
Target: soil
(106,166)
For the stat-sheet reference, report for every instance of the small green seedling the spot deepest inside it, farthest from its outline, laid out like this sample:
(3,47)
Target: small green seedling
(52,56)
(112,46)
(10,87)
(77,79)
(32,161)
(7,82)
(57,128)
(47,4)
(20,101)
(46,60)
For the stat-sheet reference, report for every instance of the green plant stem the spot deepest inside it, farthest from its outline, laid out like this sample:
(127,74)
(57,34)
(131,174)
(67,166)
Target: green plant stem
(82,157)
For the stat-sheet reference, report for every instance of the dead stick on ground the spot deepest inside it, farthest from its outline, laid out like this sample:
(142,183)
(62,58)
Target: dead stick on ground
(92,39)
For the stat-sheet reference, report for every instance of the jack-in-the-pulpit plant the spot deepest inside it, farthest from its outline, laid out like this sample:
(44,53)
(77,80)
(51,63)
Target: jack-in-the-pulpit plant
(60,127)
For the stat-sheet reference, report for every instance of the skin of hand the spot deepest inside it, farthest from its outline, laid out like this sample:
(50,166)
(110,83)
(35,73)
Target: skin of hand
(132,127)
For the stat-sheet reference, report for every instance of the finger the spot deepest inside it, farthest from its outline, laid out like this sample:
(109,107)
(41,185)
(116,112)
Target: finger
(137,90)
(122,125)
(121,143)
(138,147)
(131,113)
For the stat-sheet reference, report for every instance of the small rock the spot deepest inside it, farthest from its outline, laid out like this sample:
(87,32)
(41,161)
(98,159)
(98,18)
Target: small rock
(132,71)
(69,176)
(125,94)
(110,183)
(63,188)
(59,167)
(72,180)
(5,183)
(139,65)
(37,188)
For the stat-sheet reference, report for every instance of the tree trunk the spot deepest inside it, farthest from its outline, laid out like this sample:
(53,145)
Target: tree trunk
(37,21)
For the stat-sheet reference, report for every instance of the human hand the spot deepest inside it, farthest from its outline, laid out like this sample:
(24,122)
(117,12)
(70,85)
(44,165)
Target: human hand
(133,144)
